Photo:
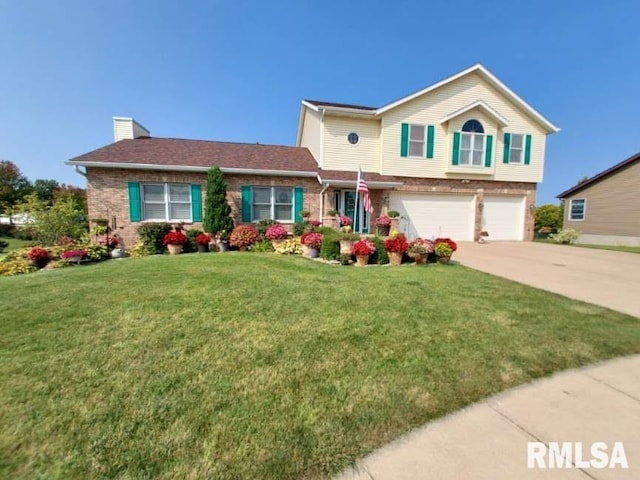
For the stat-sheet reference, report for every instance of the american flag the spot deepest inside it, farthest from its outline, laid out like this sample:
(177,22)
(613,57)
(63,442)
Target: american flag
(364,190)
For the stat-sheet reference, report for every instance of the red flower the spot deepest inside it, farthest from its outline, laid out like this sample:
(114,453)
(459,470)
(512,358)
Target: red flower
(73,253)
(315,223)
(448,241)
(38,254)
(175,238)
(383,221)
(396,244)
(203,239)
(363,247)
(312,239)
(276,232)
(345,221)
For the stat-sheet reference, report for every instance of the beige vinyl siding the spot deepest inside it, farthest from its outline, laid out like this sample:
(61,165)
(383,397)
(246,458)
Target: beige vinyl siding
(612,205)
(339,154)
(429,109)
(127,129)
(311,128)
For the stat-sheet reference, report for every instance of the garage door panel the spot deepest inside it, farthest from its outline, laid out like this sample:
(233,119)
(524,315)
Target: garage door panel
(436,215)
(503,217)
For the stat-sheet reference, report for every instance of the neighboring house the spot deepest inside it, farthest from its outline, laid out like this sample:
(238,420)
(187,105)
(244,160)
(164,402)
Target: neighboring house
(457,158)
(605,209)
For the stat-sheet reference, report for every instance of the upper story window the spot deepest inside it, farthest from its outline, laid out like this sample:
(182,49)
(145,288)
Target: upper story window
(472,144)
(416,140)
(577,209)
(272,203)
(516,149)
(166,201)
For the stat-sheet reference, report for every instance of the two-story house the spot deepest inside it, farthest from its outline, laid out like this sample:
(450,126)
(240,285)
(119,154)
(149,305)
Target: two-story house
(457,158)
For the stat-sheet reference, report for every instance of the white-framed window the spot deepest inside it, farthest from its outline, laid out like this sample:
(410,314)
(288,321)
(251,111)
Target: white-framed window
(274,203)
(166,201)
(416,140)
(577,209)
(516,148)
(472,144)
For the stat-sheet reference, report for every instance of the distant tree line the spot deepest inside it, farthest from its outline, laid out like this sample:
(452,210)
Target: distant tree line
(15,188)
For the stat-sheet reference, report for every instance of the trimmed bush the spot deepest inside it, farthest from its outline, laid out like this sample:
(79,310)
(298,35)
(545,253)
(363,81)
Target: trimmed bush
(330,249)
(217,212)
(191,245)
(380,255)
(151,235)
(299,228)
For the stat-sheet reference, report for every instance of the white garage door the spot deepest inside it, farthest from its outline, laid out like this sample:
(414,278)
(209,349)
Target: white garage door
(503,217)
(435,215)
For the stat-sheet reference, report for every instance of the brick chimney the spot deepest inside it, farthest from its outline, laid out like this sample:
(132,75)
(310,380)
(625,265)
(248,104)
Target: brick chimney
(125,128)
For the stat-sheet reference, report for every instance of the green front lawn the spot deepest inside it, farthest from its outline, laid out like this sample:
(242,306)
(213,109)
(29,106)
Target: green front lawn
(261,366)
(14,244)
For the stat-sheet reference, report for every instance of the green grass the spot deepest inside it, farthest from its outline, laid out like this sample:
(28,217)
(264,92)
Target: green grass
(260,366)
(14,244)
(617,248)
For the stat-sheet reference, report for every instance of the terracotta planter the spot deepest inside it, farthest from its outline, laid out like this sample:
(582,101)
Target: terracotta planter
(203,248)
(445,260)
(174,249)
(395,258)
(362,260)
(345,247)
(276,243)
(314,252)
(384,231)
(419,258)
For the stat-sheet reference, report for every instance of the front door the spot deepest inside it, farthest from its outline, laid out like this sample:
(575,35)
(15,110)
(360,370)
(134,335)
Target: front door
(349,209)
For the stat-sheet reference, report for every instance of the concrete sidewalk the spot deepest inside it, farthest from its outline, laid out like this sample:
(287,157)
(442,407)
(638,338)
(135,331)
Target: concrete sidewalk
(489,440)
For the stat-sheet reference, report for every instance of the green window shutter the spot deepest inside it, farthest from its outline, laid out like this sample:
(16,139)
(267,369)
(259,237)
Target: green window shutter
(488,151)
(507,147)
(430,134)
(527,150)
(298,203)
(246,203)
(456,148)
(135,212)
(196,202)
(404,140)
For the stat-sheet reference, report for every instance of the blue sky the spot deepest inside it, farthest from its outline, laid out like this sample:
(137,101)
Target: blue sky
(237,70)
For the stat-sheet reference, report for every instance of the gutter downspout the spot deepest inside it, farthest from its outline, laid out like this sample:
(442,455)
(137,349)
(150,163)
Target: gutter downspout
(80,172)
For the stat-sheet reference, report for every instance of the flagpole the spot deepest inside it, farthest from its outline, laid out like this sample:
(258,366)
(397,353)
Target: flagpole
(355,212)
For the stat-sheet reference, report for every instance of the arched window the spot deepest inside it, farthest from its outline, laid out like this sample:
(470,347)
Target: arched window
(472,144)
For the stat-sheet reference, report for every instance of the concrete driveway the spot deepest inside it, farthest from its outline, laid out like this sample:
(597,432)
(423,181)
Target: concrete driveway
(603,277)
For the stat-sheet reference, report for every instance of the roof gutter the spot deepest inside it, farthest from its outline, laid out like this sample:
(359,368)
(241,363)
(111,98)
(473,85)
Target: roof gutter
(352,183)
(189,168)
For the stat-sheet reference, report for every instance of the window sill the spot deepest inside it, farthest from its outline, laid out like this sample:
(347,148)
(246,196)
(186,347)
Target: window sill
(470,170)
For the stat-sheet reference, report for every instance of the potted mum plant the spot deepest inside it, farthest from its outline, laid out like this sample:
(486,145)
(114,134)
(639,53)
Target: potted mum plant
(419,249)
(344,221)
(313,240)
(362,249)
(39,256)
(396,247)
(277,234)
(395,218)
(222,240)
(383,222)
(73,256)
(175,241)
(444,248)
(243,236)
(202,241)
(346,239)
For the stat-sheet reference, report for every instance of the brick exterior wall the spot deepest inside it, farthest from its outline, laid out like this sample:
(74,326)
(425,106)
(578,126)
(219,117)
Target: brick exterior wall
(107,194)
(108,197)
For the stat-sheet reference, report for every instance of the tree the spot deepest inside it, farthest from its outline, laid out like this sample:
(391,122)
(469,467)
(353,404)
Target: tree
(13,185)
(76,194)
(48,224)
(549,215)
(45,188)
(217,212)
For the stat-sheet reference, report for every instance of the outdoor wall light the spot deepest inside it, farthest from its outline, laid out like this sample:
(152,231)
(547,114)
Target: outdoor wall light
(385,199)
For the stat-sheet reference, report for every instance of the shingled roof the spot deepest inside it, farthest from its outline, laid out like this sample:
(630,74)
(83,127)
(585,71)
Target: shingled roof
(167,152)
